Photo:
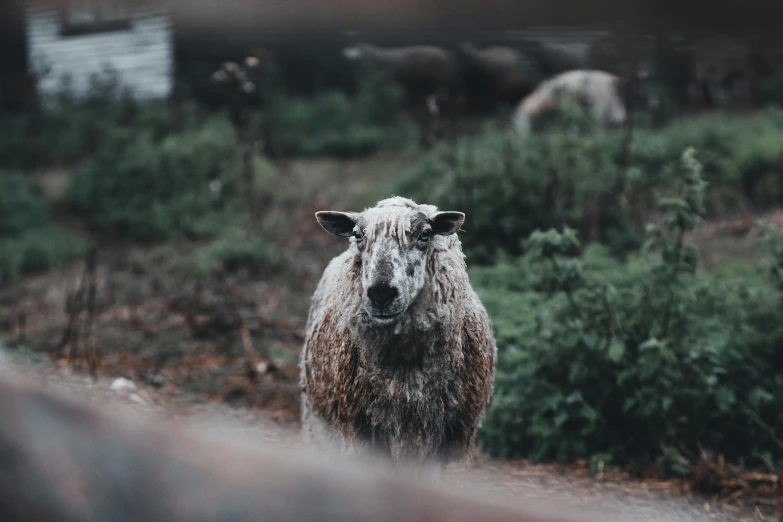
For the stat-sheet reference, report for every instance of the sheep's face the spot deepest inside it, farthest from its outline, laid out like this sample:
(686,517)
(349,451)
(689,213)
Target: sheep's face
(615,114)
(612,108)
(393,244)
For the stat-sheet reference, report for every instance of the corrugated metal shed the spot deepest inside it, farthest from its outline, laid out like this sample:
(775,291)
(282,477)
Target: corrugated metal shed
(141,52)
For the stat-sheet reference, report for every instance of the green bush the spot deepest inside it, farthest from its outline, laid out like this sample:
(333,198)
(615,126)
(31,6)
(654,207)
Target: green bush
(232,254)
(66,136)
(742,156)
(148,190)
(22,205)
(38,250)
(66,131)
(28,241)
(335,124)
(510,186)
(643,361)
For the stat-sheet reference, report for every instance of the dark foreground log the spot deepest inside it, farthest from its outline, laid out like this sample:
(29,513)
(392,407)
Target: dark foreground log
(64,462)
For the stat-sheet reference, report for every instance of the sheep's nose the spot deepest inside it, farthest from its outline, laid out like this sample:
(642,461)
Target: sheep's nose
(382,294)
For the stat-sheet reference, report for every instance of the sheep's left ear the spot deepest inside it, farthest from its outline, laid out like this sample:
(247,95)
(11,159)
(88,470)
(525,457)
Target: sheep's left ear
(447,223)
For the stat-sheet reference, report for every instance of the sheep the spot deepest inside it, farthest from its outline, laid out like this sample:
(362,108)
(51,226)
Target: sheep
(508,69)
(599,91)
(722,70)
(399,354)
(426,67)
(62,461)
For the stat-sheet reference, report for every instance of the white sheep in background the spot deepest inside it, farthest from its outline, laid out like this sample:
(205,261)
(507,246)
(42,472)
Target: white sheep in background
(399,356)
(598,91)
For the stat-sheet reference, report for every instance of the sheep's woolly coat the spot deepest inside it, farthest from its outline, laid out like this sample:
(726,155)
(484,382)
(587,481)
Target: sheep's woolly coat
(598,90)
(413,64)
(415,390)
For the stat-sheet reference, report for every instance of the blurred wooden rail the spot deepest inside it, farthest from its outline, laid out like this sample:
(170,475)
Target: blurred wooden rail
(64,462)
(450,15)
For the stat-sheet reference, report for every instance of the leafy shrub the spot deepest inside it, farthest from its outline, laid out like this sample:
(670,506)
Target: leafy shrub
(68,135)
(742,156)
(22,205)
(148,190)
(28,241)
(574,175)
(38,250)
(334,124)
(641,361)
(510,186)
(65,130)
(232,254)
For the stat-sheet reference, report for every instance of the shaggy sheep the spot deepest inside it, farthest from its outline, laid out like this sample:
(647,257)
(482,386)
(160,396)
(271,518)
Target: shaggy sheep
(597,90)
(399,356)
(425,67)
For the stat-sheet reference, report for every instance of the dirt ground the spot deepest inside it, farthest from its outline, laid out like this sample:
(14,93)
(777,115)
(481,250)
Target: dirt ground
(612,497)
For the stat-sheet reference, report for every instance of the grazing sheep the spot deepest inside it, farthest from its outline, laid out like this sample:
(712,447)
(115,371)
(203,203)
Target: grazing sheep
(399,355)
(597,90)
(420,66)
(722,70)
(62,461)
(508,69)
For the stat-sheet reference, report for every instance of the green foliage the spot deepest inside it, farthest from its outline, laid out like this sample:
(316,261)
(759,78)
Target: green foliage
(149,190)
(334,124)
(643,360)
(28,241)
(509,187)
(574,175)
(38,250)
(232,254)
(742,156)
(22,205)
(65,130)
(67,135)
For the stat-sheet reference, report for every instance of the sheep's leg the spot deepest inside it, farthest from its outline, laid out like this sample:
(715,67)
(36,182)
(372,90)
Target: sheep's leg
(432,471)
(317,432)
(428,471)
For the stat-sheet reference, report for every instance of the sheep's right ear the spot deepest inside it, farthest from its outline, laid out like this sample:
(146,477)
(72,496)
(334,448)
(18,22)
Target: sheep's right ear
(337,223)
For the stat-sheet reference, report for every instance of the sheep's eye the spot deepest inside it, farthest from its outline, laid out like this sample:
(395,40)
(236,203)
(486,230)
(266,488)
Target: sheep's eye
(358,235)
(425,235)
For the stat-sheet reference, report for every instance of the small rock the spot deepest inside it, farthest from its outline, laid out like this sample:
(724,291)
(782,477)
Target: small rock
(265,367)
(137,399)
(155,379)
(122,384)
